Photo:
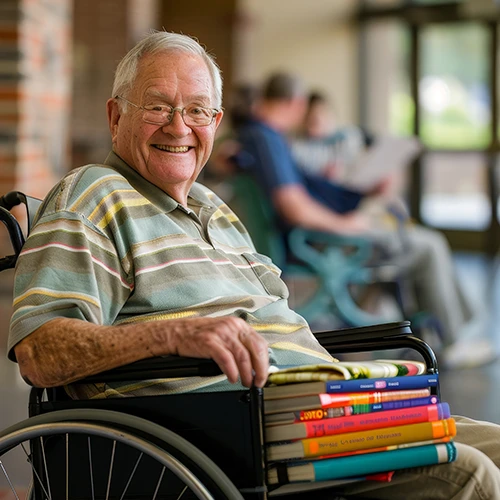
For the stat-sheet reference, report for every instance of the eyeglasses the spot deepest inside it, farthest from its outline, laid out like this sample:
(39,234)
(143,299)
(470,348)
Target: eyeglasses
(163,114)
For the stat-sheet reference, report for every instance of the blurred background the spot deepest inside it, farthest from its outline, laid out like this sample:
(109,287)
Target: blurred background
(401,67)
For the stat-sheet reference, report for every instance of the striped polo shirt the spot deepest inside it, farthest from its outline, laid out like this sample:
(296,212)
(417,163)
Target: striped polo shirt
(110,248)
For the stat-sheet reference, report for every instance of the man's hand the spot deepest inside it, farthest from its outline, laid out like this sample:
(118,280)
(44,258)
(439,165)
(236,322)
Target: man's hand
(236,347)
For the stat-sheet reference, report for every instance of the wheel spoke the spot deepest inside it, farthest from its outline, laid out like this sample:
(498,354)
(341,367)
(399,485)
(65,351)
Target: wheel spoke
(182,492)
(37,476)
(8,479)
(46,468)
(67,466)
(131,476)
(91,469)
(159,483)
(111,465)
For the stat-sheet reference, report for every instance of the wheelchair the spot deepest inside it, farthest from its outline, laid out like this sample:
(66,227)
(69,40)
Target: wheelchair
(181,446)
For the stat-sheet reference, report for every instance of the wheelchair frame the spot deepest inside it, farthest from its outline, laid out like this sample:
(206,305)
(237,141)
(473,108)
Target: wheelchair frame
(214,441)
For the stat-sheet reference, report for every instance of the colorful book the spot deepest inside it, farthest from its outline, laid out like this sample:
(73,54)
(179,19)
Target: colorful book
(322,400)
(292,417)
(352,423)
(411,444)
(354,385)
(350,441)
(345,370)
(370,463)
(394,405)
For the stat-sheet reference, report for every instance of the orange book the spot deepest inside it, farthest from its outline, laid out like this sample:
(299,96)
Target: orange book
(399,446)
(350,441)
(353,423)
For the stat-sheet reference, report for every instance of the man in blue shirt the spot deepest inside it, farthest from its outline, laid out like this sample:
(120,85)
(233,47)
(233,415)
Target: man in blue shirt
(313,202)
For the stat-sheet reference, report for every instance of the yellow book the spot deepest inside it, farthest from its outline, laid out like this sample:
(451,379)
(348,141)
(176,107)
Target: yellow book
(351,441)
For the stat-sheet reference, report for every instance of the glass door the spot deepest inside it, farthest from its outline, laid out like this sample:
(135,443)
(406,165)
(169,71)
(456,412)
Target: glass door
(441,85)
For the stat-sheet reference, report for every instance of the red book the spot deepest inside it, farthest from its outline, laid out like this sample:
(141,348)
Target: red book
(353,423)
(293,417)
(322,400)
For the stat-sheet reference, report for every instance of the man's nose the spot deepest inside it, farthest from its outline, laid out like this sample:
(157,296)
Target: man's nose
(177,125)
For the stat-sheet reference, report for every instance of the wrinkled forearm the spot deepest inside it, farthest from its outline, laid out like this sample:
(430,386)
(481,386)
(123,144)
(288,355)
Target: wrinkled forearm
(65,350)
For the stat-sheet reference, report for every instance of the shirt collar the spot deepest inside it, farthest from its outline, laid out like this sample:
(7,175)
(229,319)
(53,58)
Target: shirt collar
(153,193)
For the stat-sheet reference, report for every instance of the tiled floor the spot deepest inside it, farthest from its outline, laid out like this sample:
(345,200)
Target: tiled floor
(474,392)
(470,392)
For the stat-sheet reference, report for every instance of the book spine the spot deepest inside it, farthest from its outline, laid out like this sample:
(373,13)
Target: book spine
(412,444)
(340,425)
(350,441)
(377,384)
(393,405)
(321,413)
(345,411)
(364,398)
(403,416)
(388,460)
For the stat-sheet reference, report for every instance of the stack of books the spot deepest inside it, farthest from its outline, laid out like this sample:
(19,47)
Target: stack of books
(352,421)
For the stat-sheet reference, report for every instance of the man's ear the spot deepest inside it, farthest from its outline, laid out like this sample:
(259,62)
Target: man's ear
(113,112)
(218,119)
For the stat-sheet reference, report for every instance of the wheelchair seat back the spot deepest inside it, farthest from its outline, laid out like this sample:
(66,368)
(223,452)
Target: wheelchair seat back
(16,233)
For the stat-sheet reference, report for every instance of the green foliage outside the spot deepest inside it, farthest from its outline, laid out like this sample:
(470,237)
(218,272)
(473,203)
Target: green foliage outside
(457,53)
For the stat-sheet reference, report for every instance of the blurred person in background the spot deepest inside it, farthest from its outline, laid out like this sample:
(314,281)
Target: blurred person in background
(323,147)
(311,201)
(227,154)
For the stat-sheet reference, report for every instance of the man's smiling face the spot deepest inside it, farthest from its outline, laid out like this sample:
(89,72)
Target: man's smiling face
(169,156)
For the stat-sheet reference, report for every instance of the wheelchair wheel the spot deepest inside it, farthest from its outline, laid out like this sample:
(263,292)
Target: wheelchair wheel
(100,454)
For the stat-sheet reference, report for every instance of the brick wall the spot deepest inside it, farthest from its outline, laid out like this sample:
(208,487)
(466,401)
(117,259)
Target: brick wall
(35,89)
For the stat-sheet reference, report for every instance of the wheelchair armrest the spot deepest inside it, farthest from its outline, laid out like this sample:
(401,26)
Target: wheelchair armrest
(158,367)
(377,337)
(14,198)
(17,237)
(15,232)
(384,336)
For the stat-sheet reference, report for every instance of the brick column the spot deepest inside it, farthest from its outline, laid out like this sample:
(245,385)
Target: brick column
(35,87)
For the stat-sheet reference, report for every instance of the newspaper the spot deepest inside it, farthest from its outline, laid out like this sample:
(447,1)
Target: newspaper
(387,155)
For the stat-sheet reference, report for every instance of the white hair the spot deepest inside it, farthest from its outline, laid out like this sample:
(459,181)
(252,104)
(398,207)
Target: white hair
(163,41)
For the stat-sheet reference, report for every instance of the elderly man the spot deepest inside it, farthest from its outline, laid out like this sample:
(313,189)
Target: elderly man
(132,259)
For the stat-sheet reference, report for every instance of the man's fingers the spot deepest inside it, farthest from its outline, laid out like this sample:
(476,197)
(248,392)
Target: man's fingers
(226,362)
(235,346)
(256,347)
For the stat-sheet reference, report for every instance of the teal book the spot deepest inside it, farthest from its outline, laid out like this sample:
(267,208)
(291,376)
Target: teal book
(367,463)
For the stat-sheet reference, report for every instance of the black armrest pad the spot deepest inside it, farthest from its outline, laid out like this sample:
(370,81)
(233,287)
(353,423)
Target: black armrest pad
(159,367)
(371,332)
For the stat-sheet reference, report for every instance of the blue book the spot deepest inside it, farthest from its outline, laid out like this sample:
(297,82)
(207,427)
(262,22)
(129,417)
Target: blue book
(394,405)
(404,382)
(363,464)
